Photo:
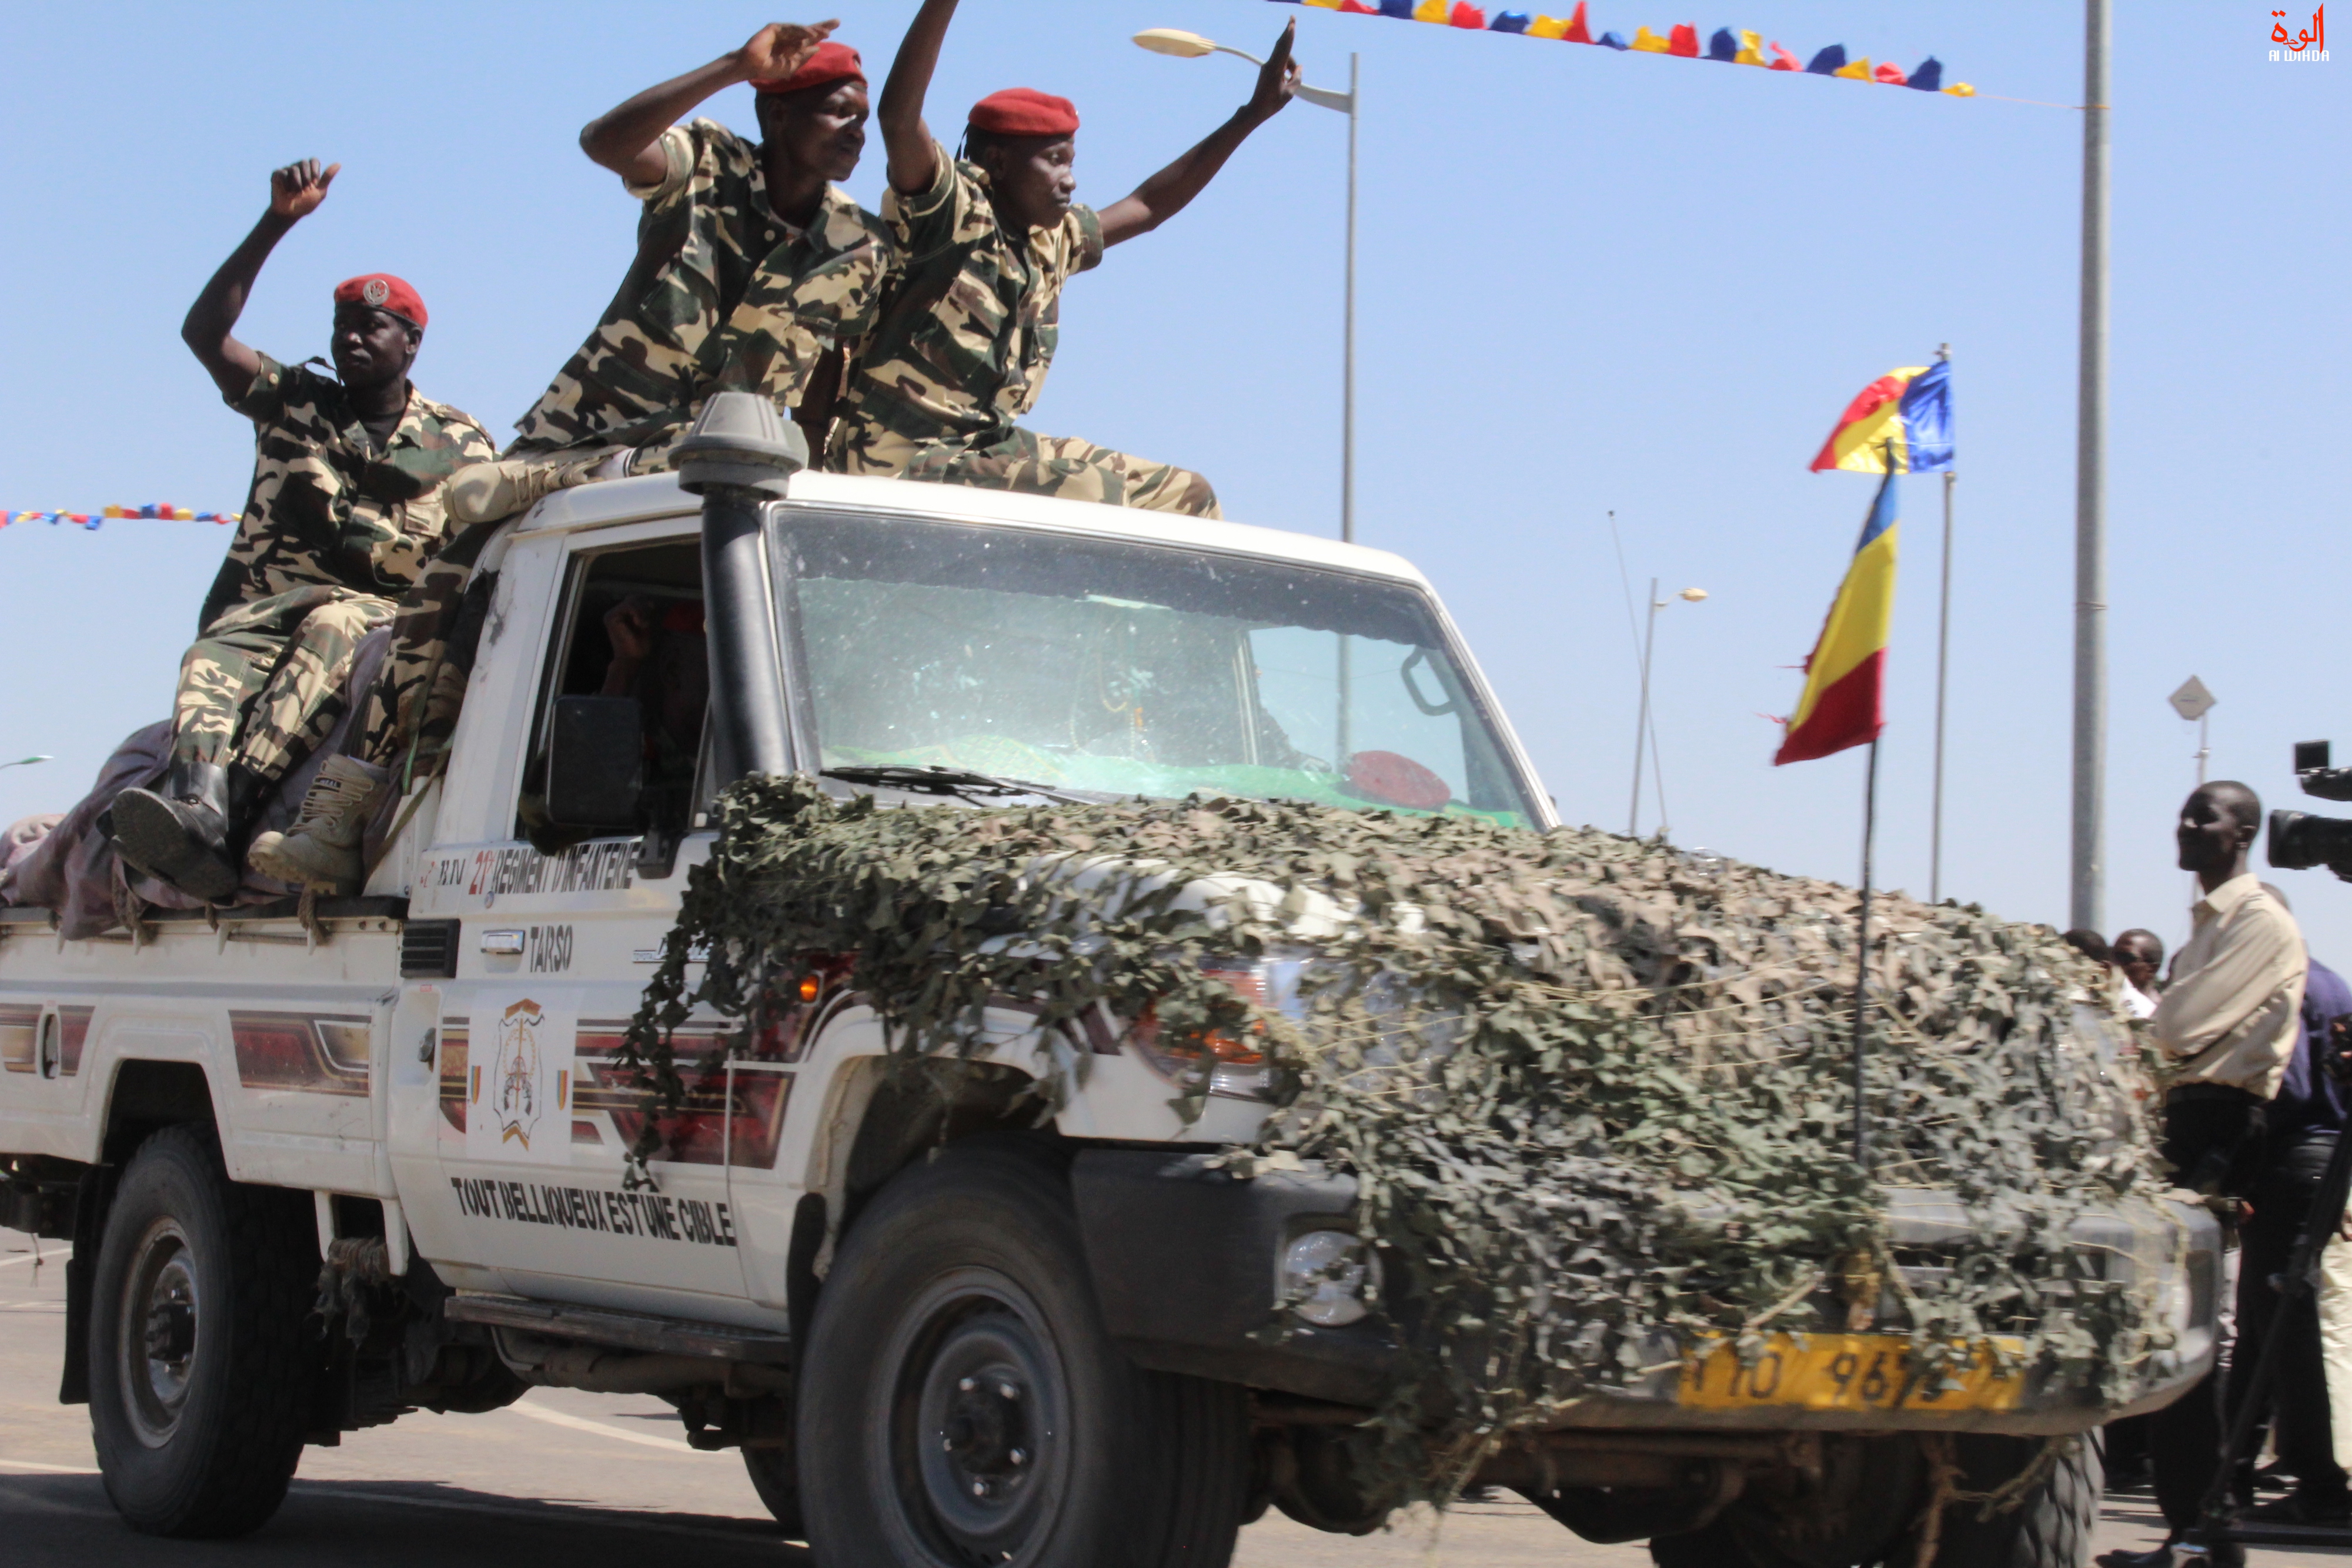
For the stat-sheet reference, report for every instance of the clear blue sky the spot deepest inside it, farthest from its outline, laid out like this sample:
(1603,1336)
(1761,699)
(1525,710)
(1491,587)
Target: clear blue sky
(1591,281)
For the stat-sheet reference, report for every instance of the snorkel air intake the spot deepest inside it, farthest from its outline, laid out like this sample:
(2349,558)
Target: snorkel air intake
(741,454)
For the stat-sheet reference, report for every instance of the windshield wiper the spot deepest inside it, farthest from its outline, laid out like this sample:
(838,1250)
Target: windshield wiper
(938,781)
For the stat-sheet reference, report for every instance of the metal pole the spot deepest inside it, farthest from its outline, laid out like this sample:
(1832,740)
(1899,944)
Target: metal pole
(2204,746)
(1658,781)
(2089,859)
(1862,962)
(1943,663)
(1642,724)
(1347,397)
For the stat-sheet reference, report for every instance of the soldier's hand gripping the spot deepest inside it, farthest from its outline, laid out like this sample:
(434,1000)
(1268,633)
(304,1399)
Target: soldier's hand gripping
(296,191)
(780,49)
(1277,79)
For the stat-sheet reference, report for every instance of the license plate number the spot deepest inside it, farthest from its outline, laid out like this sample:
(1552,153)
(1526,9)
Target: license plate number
(1843,1371)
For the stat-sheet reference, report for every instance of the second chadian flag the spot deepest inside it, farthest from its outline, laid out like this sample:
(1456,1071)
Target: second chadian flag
(1902,420)
(1844,700)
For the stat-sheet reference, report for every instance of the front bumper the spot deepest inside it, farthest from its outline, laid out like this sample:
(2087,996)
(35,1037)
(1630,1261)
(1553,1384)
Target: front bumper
(1184,1258)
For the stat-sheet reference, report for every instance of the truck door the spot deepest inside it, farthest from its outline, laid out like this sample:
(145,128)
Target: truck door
(557,933)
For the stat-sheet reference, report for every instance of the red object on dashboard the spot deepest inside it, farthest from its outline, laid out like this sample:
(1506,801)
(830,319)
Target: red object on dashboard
(1398,780)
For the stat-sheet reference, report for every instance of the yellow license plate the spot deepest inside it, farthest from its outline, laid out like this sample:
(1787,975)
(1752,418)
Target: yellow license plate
(1843,1371)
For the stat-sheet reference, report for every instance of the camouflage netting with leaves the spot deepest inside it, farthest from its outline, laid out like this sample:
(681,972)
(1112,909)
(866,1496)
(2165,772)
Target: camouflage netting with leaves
(1595,1090)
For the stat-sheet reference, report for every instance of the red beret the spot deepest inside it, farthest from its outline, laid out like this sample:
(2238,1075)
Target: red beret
(384,291)
(1024,112)
(832,63)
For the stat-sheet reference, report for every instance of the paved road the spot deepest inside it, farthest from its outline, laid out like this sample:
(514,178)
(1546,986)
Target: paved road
(587,1480)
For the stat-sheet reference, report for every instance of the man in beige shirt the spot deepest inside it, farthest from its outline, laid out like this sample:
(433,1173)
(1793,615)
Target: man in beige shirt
(2225,1029)
(2228,1020)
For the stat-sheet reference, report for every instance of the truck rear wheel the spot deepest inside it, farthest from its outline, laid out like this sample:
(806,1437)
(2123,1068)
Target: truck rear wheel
(199,1372)
(961,1403)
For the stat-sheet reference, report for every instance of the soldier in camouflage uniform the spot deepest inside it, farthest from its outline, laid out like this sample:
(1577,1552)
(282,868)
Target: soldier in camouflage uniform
(403,732)
(344,512)
(965,340)
(751,269)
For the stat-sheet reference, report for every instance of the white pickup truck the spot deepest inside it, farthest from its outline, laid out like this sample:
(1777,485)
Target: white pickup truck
(937,1339)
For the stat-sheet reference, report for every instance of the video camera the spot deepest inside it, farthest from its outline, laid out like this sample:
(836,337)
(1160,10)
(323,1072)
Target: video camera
(2300,841)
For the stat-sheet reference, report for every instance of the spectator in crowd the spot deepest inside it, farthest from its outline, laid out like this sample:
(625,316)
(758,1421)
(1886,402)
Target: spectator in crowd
(2140,956)
(2089,944)
(2304,1120)
(2224,1031)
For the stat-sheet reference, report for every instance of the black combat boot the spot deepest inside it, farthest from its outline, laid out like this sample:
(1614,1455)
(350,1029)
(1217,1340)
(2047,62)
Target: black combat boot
(181,830)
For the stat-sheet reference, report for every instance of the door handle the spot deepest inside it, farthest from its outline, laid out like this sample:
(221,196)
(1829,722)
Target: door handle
(503,943)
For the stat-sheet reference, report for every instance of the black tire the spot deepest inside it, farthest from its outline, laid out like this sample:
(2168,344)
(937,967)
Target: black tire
(775,1476)
(2050,1529)
(200,1368)
(960,1402)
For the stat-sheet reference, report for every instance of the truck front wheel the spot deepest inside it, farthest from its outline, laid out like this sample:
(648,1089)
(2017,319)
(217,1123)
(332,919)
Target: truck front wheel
(199,1372)
(2049,1526)
(961,1402)
(776,1476)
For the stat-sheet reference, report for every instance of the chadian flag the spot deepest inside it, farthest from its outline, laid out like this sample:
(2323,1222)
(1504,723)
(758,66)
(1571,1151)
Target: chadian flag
(1909,408)
(1846,679)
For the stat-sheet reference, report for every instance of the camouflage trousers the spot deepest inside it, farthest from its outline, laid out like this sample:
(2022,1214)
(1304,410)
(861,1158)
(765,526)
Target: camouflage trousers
(412,704)
(264,683)
(1023,460)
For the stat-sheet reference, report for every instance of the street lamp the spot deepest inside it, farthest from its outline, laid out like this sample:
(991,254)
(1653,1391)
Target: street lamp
(1184,46)
(1642,730)
(27,762)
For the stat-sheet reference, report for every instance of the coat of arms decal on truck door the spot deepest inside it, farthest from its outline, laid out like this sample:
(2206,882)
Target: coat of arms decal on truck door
(513,1090)
(517,1086)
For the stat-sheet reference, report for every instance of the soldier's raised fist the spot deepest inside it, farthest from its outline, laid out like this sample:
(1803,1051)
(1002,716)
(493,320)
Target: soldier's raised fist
(780,49)
(296,191)
(1277,79)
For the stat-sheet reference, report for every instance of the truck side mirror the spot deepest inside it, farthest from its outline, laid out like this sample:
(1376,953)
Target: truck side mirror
(597,764)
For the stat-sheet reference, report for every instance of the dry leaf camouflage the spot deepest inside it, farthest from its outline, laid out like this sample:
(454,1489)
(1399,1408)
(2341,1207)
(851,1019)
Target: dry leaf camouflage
(1594,1090)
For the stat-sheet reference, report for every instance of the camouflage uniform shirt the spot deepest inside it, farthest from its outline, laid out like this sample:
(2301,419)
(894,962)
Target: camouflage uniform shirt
(965,340)
(723,295)
(331,507)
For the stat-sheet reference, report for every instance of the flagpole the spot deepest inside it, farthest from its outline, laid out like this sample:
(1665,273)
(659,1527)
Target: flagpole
(1641,723)
(1943,662)
(2086,890)
(1862,960)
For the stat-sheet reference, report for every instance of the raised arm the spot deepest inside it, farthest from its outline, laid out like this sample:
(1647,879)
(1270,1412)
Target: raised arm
(295,192)
(914,159)
(626,139)
(1171,189)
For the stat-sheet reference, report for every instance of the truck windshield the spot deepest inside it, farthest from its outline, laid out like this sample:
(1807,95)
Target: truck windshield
(1121,668)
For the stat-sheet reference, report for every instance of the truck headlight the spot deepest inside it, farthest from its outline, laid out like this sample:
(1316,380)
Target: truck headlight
(1236,1063)
(1326,1276)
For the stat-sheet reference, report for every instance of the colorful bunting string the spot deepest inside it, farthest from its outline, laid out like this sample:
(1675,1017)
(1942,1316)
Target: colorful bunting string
(104,514)
(1744,49)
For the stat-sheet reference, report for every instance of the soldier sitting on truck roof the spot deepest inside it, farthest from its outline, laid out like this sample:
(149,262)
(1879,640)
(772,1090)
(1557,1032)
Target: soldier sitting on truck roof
(752,269)
(969,332)
(345,510)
